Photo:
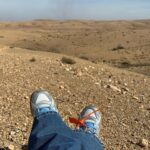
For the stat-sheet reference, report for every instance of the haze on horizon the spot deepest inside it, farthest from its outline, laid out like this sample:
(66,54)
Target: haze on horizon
(20,10)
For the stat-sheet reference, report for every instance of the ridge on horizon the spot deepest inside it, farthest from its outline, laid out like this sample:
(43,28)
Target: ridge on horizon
(76,20)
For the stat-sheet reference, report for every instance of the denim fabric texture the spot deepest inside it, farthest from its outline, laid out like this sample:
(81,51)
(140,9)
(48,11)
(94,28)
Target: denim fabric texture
(49,132)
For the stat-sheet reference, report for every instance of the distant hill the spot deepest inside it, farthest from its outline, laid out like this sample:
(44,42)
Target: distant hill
(124,44)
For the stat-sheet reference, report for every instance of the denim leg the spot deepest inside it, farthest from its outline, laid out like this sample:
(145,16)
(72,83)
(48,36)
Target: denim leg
(88,140)
(49,132)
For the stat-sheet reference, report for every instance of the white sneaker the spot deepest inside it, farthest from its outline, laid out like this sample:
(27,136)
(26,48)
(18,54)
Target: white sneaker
(40,100)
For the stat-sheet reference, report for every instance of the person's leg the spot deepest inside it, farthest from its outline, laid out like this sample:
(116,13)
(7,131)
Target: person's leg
(49,131)
(89,134)
(92,122)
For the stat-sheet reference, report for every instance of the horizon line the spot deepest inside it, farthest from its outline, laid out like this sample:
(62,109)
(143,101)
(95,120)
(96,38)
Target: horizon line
(65,20)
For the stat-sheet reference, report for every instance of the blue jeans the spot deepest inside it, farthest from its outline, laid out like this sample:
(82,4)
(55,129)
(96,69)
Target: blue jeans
(49,132)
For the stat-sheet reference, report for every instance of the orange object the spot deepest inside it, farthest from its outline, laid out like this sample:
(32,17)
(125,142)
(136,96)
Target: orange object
(80,122)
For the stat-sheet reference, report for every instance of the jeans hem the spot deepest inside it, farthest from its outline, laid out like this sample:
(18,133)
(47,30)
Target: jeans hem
(45,114)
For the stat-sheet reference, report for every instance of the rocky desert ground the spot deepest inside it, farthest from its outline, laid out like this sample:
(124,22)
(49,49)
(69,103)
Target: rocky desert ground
(124,44)
(79,63)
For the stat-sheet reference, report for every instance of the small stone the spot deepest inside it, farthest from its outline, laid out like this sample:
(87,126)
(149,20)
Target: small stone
(110,80)
(79,74)
(61,64)
(143,143)
(61,87)
(67,69)
(85,68)
(11,147)
(76,104)
(114,88)
(97,83)
(141,107)
(109,98)
(125,89)
(12,133)
(125,84)
(92,67)
(136,98)
(26,97)
(24,129)
(25,124)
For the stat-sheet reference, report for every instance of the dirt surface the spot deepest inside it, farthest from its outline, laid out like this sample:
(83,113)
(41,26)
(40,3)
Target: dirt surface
(124,44)
(122,96)
(109,65)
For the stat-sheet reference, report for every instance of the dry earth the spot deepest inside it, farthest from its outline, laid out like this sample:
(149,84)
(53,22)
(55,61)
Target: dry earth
(123,44)
(122,96)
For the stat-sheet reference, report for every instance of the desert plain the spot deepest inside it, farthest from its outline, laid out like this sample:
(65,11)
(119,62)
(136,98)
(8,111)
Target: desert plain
(80,63)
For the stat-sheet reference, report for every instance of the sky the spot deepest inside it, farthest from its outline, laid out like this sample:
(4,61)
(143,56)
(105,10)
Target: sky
(20,10)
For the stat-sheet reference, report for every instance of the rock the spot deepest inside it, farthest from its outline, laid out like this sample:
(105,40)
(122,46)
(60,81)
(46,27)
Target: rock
(143,143)
(110,80)
(12,133)
(61,64)
(92,67)
(141,107)
(114,88)
(67,69)
(61,87)
(78,74)
(11,147)
(109,98)
(76,104)
(68,92)
(85,68)
(136,98)
(125,89)
(97,83)
(125,84)
(26,97)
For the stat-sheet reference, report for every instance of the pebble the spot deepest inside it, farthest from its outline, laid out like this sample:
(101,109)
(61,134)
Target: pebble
(141,107)
(110,80)
(97,83)
(136,98)
(92,67)
(26,97)
(85,68)
(67,69)
(61,87)
(143,143)
(114,88)
(125,84)
(79,74)
(12,133)
(68,92)
(125,89)
(11,147)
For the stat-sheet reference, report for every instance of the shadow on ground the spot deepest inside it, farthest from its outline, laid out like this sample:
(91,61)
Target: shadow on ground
(143,68)
(24,147)
(128,65)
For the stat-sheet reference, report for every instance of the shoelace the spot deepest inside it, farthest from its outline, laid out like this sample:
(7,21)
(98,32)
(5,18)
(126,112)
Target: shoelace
(80,122)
